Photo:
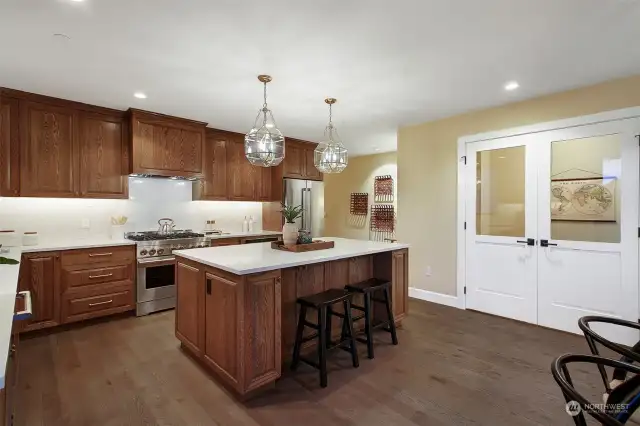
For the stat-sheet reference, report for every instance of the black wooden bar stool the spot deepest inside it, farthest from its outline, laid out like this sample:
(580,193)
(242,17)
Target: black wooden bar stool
(323,302)
(367,289)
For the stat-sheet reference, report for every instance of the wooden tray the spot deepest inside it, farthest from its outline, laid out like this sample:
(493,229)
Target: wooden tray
(299,248)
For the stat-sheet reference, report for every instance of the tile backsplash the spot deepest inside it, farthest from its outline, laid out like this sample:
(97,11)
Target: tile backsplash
(149,200)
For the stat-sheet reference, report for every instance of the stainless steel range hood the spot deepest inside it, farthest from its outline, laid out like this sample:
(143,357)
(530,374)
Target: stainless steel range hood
(145,175)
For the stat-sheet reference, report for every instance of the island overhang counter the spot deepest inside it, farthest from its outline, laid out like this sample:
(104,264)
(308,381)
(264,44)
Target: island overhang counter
(236,305)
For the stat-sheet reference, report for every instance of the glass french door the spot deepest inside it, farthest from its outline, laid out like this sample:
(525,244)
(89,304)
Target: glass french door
(501,225)
(588,226)
(552,226)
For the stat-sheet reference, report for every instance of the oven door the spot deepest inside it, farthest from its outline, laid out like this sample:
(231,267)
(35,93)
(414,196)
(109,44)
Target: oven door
(156,279)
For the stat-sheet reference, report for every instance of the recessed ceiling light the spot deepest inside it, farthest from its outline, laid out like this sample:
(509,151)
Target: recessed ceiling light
(502,157)
(140,95)
(512,85)
(77,1)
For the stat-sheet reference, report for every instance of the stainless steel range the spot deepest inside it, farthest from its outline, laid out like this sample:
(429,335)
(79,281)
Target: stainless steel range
(156,289)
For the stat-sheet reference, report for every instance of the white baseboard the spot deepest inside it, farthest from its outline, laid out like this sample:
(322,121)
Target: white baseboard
(431,296)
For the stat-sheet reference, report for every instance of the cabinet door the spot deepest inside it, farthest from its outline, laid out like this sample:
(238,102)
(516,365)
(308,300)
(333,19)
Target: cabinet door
(190,295)
(215,168)
(293,160)
(104,156)
(167,145)
(40,274)
(222,310)
(235,163)
(400,276)
(263,183)
(9,147)
(49,153)
(311,172)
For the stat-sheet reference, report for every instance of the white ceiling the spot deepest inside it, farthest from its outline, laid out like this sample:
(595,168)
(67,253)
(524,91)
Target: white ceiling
(389,63)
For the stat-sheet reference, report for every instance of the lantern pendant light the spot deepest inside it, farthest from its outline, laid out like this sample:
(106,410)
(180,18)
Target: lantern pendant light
(264,144)
(330,156)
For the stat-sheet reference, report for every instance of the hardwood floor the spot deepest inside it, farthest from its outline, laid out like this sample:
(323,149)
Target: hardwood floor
(452,367)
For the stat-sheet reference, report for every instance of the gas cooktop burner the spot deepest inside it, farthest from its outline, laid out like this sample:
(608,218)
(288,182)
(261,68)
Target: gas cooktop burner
(155,236)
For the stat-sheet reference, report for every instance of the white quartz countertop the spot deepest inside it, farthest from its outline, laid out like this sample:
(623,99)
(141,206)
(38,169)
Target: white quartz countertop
(53,244)
(253,258)
(244,234)
(8,289)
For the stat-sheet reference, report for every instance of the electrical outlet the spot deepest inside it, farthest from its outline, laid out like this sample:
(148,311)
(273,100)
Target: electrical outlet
(427,271)
(86,224)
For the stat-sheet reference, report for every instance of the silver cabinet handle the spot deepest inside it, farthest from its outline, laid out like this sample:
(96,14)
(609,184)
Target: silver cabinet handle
(101,303)
(100,254)
(100,276)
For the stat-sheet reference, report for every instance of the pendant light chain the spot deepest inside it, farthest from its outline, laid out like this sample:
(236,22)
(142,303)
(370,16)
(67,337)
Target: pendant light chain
(264,105)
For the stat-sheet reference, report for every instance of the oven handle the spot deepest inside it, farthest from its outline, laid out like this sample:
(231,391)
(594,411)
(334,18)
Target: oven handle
(146,263)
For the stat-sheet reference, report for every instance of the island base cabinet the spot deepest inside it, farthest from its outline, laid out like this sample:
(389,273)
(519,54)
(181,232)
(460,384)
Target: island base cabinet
(235,329)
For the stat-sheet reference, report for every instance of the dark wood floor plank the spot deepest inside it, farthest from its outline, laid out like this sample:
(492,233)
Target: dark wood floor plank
(452,367)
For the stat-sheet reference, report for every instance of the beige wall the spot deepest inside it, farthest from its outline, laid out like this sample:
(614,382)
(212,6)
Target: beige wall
(357,177)
(427,170)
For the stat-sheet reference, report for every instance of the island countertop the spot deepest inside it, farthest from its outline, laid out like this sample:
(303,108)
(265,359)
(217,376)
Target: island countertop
(254,258)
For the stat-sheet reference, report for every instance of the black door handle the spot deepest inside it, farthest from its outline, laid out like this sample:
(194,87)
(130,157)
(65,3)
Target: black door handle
(208,286)
(528,241)
(546,243)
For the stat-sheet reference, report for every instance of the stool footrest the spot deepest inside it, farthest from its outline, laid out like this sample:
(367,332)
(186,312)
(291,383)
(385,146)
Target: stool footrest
(311,325)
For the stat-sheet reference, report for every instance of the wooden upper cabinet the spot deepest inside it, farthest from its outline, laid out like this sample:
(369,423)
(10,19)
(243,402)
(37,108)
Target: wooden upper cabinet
(214,166)
(104,156)
(49,150)
(236,168)
(166,146)
(311,172)
(293,160)
(263,183)
(9,147)
(298,160)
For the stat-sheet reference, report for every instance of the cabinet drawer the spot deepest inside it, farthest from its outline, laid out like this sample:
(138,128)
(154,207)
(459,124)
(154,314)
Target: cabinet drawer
(96,256)
(225,242)
(87,277)
(84,305)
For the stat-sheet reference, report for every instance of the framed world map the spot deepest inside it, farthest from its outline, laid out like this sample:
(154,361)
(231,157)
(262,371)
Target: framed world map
(587,199)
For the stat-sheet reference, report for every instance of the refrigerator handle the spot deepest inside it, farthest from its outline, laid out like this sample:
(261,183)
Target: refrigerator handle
(310,218)
(303,209)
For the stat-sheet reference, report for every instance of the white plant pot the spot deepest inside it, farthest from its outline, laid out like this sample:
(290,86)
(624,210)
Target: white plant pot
(289,233)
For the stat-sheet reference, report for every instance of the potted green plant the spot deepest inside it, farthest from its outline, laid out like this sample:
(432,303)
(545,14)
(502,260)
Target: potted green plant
(290,229)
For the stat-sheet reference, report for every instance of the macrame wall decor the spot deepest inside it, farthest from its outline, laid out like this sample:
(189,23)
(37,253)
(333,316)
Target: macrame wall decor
(383,222)
(383,189)
(359,204)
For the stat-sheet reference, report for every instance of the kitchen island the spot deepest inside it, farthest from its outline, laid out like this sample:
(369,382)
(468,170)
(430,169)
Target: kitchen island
(236,306)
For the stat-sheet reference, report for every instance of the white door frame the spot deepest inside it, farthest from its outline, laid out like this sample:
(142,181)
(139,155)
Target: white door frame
(602,117)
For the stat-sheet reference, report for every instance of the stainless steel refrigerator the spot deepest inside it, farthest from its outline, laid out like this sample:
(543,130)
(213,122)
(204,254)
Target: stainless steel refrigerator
(310,195)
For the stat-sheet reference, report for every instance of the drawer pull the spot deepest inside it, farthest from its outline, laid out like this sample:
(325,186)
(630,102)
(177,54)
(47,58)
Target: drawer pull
(100,254)
(100,303)
(100,276)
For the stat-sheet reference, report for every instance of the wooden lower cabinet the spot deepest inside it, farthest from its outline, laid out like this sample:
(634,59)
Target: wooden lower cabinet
(40,274)
(400,278)
(190,305)
(236,332)
(7,394)
(75,285)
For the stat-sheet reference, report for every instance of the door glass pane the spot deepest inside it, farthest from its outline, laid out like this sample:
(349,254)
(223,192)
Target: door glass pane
(500,189)
(585,189)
